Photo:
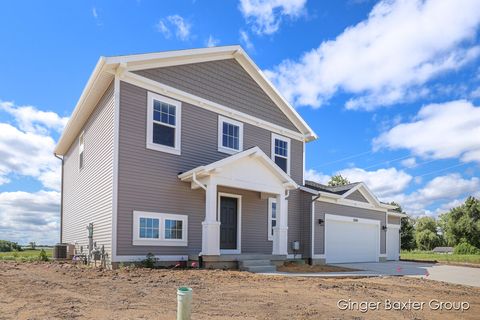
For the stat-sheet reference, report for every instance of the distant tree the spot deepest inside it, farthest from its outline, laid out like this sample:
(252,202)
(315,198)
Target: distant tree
(407,230)
(462,224)
(8,246)
(338,180)
(426,235)
(33,245)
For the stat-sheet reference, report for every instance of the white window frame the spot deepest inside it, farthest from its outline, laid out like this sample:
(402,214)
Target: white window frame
(81,150)
(178,122)
(270,202)
(161,241)
(221,148)
(289,148)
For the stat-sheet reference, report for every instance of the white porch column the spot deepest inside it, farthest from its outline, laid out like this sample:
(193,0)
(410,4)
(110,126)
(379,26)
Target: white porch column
(280,231)
(211,226)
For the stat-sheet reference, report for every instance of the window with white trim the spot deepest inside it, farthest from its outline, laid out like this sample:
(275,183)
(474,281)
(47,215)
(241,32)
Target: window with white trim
(159,229)
(163,124)
(230,135)
(281,152)
(272,217)
(81,149)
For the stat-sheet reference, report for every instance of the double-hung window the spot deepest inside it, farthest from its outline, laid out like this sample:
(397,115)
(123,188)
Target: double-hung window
(230,135)
(81,150)
(159,229)
(281,152)
(163,124)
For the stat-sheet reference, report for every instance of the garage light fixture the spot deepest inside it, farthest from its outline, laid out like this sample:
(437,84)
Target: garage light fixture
(384,228)
(320,222)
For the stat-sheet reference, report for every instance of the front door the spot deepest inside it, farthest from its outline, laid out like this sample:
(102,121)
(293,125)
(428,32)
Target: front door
(228,223)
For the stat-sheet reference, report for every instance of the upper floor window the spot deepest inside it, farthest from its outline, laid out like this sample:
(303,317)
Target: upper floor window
(230,135)
(281,152)
(81,149)
(163,124)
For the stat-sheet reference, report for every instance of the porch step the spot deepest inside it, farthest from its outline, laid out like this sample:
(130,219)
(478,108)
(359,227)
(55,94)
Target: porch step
(257,266)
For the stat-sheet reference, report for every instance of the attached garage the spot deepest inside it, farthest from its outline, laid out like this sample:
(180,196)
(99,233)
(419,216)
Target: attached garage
(350,239)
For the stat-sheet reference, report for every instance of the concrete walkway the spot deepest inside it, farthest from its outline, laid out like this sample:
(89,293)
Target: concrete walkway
(467,276)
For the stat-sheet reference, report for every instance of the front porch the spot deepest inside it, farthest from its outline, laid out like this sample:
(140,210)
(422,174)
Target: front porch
(222,235)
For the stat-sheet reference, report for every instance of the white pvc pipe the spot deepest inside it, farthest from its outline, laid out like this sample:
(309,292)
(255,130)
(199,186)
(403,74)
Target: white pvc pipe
(184,303)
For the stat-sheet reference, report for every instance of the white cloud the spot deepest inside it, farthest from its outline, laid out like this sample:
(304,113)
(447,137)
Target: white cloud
(30,119)
(440,189)
(177,22)
(475,93)
(386,58)
(265,16)
(246,40)
(26,217)
(439,131)
(383,182)
(212,42)
(313,175)
(409,162)
(94,13)
(28,149)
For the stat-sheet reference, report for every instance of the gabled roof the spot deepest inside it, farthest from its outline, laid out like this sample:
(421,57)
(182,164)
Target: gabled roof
(342,192)
(107,67)
(256,152)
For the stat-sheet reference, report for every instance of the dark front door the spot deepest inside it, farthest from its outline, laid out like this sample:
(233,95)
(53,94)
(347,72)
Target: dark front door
(228,223)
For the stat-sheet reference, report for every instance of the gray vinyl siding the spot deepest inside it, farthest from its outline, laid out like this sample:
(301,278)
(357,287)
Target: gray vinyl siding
(357,196)
(147,179)
(322,208)
(224,82)
(87,193)
(393,220)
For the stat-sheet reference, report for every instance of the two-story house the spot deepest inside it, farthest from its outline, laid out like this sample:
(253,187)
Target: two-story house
(194,153)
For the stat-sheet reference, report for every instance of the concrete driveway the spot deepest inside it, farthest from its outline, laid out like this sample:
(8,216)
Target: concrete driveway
(453,274)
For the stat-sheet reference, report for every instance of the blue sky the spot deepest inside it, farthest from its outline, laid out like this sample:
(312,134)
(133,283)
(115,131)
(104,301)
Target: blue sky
(391,88)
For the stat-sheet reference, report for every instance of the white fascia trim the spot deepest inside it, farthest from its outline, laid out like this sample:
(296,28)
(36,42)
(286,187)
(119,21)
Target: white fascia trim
(239,221)
(351,203)
(177,150)
(116,98)
(175,93)
(289,147)
(397,214)
(171,258)
(221,148)
(254,71)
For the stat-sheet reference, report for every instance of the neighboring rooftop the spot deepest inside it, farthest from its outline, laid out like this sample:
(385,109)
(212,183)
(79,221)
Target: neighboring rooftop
(337,190)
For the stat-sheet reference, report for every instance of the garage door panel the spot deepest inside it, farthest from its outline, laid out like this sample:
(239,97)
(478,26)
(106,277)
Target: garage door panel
(351,240)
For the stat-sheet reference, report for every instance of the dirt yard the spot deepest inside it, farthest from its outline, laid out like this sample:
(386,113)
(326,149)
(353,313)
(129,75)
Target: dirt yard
(306,268)
(55,291)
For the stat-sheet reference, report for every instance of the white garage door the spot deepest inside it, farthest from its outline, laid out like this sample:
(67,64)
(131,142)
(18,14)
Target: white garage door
(393,242)
(349,239)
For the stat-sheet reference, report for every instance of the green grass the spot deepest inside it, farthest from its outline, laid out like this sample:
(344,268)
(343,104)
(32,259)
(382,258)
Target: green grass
(430,256)
(26,255)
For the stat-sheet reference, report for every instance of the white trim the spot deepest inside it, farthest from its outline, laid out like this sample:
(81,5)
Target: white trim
(294,256)
(393,226)
(197,101)
(105,66)
(318,256)
(239,221)
(161,241)
(289,147)
(136,258)
(151,97)
(349,203)
(312,229)
(116,123)
(396,214)
(271,201)
(221,147)
(382,255)
(335,217)
(81,150)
